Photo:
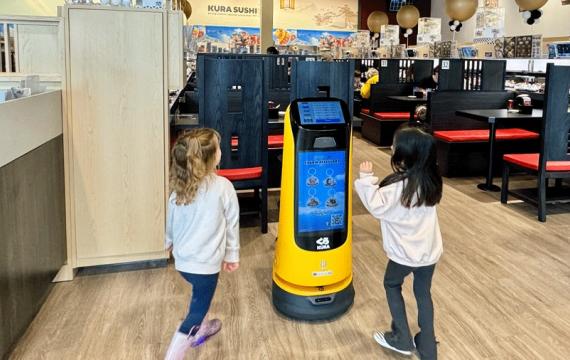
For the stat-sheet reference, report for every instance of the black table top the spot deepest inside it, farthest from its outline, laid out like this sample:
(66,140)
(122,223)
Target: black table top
(490,115)
(411,99)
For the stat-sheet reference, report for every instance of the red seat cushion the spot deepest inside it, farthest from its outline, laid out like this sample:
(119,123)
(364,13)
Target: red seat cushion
(365,111)
(530,161)
(273,142)
(392,115)
(241,174)
(483,135)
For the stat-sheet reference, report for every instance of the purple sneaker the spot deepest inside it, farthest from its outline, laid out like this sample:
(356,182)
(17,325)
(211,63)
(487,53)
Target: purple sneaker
(207,329)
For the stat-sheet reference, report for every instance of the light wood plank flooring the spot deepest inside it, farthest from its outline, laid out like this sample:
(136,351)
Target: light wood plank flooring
(501,291)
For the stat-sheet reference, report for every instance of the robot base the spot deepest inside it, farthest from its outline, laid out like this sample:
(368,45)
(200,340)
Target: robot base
(313,308)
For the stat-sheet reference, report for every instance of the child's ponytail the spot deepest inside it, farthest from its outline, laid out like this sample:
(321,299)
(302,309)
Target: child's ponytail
(193,158)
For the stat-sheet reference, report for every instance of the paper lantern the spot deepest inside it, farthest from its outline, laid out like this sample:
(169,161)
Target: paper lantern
(530,4)
(461,9)
(408,16)
(375,21)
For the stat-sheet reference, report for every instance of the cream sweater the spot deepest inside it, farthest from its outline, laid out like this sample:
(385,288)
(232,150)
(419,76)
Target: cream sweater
(411,236)
(205,232)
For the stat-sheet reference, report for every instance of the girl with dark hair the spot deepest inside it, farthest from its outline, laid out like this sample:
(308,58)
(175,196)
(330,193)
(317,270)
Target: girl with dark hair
(405,203)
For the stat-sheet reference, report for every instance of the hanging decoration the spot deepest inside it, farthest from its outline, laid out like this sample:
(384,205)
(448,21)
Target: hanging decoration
(407,18)
(375,21)
(459,11)
(532,12)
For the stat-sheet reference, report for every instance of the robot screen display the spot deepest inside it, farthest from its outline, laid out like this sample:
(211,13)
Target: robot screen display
(321,187)
(320,112)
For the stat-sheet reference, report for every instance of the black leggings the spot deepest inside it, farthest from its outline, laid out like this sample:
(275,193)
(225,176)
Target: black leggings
(393,280)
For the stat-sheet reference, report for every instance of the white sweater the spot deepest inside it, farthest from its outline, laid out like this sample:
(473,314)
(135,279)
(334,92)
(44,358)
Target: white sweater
(411,236)
(205,232)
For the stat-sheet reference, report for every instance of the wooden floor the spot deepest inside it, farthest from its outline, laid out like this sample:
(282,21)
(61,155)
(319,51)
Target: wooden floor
(501,291)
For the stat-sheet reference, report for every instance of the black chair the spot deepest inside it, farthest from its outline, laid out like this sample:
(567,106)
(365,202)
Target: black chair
(233,100)
(553,161)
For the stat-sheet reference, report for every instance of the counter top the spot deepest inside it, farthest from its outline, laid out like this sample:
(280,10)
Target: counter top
(29,122)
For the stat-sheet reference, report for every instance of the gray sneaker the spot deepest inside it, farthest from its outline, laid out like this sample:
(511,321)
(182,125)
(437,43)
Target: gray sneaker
(384,340)
(208,328)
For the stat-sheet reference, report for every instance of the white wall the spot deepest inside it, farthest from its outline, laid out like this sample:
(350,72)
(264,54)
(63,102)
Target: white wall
(554,22)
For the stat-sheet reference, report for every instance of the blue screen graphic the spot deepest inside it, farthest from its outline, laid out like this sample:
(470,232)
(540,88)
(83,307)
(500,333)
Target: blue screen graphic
(320,112)
(321,184)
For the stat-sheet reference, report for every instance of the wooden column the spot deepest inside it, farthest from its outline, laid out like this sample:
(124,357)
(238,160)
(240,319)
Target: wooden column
(266,24)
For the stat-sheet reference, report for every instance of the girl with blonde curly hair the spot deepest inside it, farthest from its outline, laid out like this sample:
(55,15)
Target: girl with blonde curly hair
(202,230)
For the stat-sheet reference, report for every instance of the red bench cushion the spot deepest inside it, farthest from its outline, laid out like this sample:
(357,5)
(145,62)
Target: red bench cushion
(483,135)
(241,174)
(392,115)
(273,142)
(530,161)
(365,111)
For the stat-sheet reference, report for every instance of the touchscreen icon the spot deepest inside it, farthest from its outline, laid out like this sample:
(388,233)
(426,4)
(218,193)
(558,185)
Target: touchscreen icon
(332,201)
(312,180)
(330,181)
(313,201)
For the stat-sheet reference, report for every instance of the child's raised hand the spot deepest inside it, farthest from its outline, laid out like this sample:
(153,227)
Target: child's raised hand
(366,167)
(230,267)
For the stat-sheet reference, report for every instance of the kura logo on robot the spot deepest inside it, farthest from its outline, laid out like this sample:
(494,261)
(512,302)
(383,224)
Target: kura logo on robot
(323,243)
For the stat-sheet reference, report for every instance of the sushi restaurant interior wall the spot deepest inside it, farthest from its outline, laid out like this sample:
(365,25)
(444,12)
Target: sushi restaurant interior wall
(553,23)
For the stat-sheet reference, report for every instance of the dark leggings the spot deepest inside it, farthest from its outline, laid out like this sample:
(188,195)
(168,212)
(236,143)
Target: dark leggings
(203,289)
(393,280)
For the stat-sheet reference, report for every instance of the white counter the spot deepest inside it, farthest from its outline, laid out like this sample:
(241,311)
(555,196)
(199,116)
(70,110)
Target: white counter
(28,123)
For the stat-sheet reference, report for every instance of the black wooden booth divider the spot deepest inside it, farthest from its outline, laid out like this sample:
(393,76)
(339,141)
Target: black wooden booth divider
(471,158)
(472,74)
(553,159)
(322,79)
(233,100)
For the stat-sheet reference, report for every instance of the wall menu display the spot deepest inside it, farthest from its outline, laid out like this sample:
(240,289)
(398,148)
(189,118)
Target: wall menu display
(429,30)
(390,35)
(489,22)
(321,186)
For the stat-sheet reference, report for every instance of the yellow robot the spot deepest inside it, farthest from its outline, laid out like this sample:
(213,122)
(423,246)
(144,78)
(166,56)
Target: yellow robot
(312,270)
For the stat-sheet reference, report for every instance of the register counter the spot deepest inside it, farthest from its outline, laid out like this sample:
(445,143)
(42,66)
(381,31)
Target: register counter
(32,209)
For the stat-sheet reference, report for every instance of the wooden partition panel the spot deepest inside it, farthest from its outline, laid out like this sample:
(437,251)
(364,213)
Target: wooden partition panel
(234,103)
(442,106)
(316,78)
(556,125)
(450,75)
(117,128)
(32,235)
(493,77)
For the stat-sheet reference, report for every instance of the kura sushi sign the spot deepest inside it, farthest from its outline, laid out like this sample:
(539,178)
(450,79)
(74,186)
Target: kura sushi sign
(232,10)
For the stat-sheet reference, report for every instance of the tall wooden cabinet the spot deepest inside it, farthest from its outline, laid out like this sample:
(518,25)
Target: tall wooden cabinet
(115,133)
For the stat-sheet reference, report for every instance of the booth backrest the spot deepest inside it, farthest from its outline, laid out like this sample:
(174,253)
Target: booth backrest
(556,125)
(319,79)
(379,97)
(233,100)
(472,75)
(442,106)
(404,71)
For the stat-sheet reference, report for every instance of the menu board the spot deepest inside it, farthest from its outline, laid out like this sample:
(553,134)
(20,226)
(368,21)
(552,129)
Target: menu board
(320,191)
(389,35)
(320,112)
(489,23)
(429,30)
